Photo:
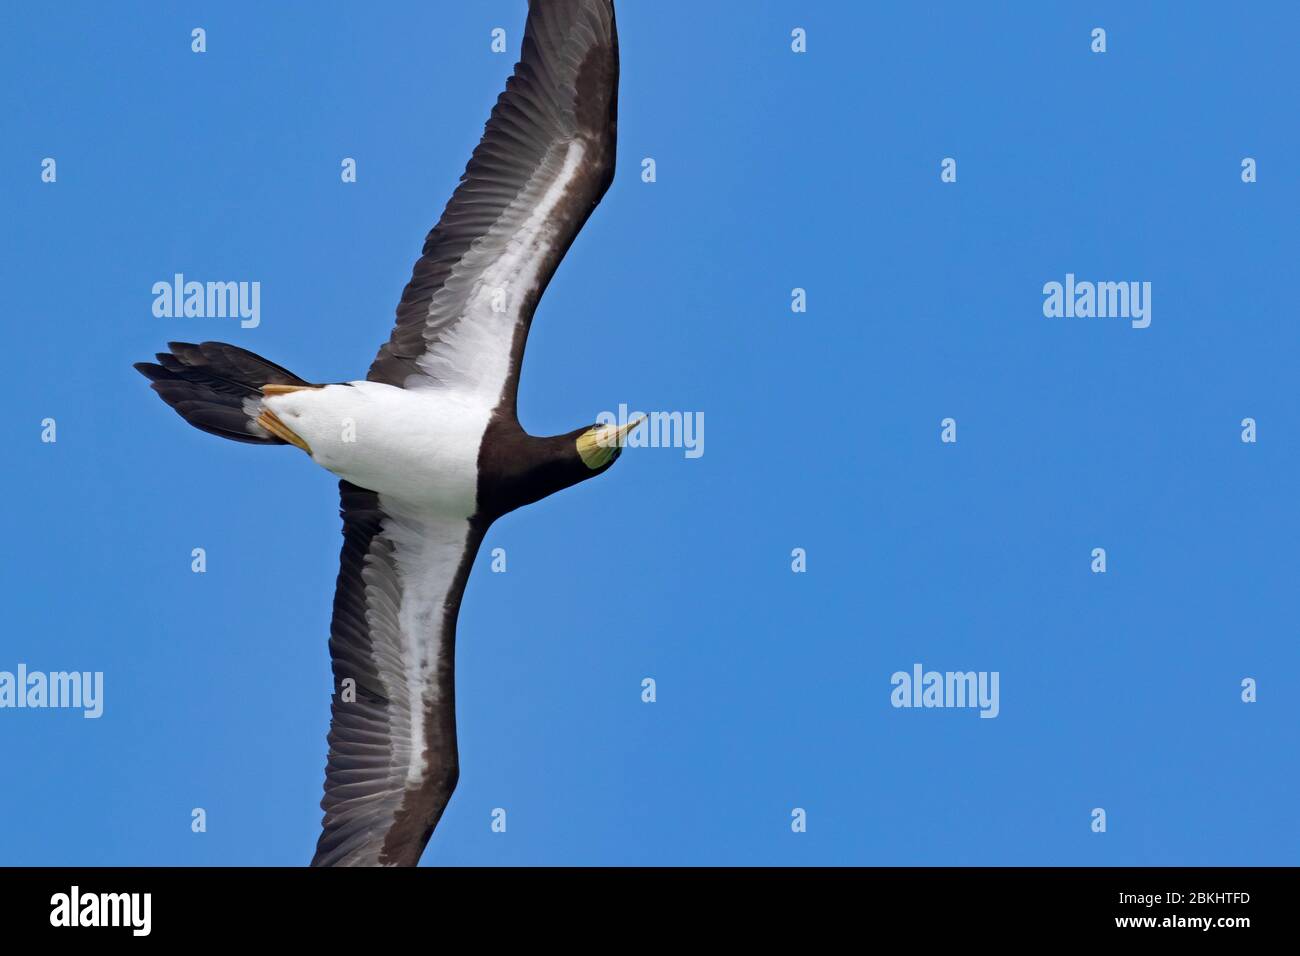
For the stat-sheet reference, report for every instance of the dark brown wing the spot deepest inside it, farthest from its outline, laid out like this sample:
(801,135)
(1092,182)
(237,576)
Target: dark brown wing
(545,160)
(392,742)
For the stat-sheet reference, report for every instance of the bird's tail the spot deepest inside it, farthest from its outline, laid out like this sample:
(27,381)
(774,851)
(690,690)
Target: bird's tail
(218,388)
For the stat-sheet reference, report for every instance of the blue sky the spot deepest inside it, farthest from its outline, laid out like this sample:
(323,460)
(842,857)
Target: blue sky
(774,171)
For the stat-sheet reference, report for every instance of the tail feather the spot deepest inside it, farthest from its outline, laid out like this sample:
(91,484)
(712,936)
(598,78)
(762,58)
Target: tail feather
(218,388)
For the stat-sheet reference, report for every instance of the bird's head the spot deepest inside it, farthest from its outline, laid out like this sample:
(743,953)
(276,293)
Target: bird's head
(518,469)
(600,445)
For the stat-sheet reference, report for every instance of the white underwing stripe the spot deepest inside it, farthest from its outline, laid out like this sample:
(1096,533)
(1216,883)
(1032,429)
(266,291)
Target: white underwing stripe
(473,355)
(427,554)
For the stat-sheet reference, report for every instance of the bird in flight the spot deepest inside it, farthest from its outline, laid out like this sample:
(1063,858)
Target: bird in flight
(428,448)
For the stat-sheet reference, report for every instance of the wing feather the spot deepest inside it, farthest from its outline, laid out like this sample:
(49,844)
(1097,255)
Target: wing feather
(545,160)
(392,743)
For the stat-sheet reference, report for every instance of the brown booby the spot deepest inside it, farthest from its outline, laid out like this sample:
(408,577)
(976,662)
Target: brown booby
(428,447)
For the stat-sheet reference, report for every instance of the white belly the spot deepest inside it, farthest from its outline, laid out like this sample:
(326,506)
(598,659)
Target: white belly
(420,447)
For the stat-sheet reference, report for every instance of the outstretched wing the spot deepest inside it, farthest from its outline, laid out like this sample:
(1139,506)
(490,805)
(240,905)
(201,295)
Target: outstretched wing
(545,160)
(392,761)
